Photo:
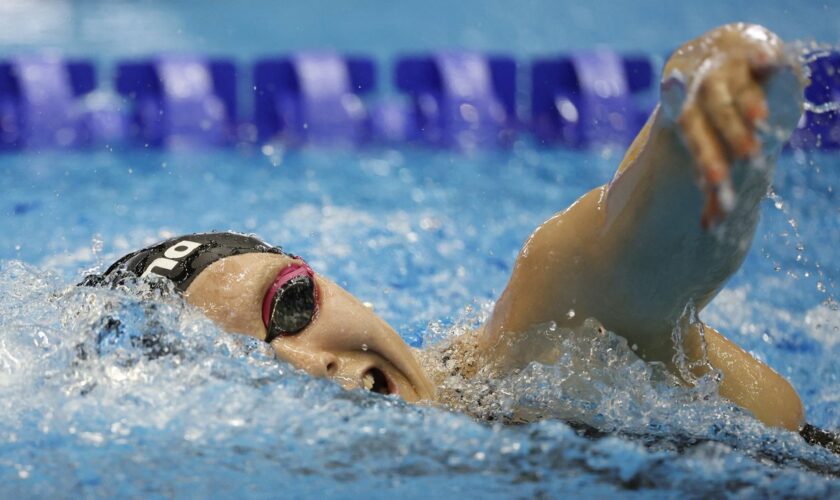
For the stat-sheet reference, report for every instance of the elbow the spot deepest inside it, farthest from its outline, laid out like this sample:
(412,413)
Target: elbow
(791,414)
(780,406)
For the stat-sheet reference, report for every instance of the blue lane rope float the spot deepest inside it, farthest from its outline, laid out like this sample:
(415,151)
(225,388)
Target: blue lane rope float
(313,97)
(820,124)
(44,103)
(454,99)
(589,98)
(179,100)
(460,99)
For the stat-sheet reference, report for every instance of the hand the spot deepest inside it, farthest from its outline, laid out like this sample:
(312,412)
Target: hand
(724,105)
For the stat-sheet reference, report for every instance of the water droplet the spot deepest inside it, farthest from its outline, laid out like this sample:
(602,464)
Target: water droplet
(96,244)
(570,314)
(364,347)
(821,286)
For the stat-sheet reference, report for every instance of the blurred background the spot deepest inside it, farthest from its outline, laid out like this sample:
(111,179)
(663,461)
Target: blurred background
(250,28)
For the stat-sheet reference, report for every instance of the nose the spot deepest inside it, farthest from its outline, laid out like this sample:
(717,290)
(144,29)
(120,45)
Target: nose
(314,361)
(321,364)
(329,363)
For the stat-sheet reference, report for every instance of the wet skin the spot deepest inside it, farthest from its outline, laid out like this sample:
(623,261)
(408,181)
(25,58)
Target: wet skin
(345,341)
(672,226)
(675,222)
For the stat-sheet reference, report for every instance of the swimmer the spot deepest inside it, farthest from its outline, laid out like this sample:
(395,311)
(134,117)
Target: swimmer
(660,239)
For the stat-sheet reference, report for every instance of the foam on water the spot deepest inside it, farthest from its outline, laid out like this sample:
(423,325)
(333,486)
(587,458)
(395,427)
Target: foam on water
(131,392)
(136,393)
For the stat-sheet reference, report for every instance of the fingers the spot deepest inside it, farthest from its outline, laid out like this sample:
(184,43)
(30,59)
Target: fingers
(703,144)
(763,63)
(712,210)
(752,103)
(702,141)
(750,98)
(727,118)
(719,127)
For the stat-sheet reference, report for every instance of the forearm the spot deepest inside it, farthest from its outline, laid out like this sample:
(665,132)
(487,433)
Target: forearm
(684,205)
(631,254)
(660,235)
(659,256)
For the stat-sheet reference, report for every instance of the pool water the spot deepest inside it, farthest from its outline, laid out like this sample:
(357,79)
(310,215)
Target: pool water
(410,232)
(428,237)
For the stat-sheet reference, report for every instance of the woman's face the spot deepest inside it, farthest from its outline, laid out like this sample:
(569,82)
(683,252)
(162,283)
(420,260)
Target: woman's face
(344,341)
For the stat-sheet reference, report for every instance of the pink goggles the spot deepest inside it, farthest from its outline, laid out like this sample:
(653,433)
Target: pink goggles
(291,302)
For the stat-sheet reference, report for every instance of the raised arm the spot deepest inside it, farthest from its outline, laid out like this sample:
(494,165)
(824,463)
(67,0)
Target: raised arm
(678,217)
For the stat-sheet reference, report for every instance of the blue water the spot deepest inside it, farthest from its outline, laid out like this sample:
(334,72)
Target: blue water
(429,237)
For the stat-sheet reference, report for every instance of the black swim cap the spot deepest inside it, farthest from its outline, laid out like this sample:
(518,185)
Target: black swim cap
(182,258)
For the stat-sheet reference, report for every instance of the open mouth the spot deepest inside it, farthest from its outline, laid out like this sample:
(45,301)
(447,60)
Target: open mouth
(374,380)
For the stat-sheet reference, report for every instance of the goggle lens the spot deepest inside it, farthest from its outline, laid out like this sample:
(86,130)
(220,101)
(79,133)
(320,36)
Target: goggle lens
(291,302)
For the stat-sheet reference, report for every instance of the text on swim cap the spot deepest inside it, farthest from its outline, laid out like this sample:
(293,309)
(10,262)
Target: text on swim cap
(171,256)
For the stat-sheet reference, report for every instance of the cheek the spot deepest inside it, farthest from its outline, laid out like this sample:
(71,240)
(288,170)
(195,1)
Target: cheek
(235,320)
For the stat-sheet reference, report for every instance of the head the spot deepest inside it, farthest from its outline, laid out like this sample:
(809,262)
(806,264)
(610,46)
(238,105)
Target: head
(251,288)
